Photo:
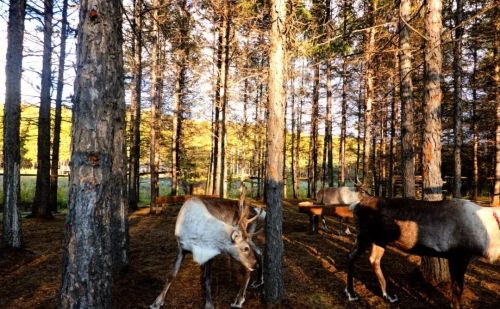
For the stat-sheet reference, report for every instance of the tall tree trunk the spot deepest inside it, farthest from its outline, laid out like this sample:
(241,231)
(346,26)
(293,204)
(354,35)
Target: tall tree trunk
(433,269)
(457,101)
(358,136)
(496,51)
(178,112)
(273,257)
(328,154)
(293,139)
(54,168)
(224,90)
(12,234)
(343,123)
(475,131)
(217,107)
(156,103)
(394,128)
(407,102)
(314,131)
(284,151)
(370,95)
(135,108)
(95,159)
(41,207)
(383,150)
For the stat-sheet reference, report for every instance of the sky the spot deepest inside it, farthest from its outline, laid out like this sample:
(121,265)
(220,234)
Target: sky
(32,61)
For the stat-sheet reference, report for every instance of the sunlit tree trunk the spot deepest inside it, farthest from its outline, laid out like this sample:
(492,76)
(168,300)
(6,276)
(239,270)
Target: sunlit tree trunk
(370,95)
(273,257)
(135,108)
(12,234)
(457,101)
(97,150)
(496,51)
(394,128)
(328,153)
(314,131)
(433,269)
(181,58)
(407,102)
(293,139)
(54,168)
(41,207)
(156,103)
(475,131)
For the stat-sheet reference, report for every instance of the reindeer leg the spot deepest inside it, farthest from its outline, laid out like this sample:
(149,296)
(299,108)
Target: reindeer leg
(375,257)
(260,273)
(325,226)
(359,247)
(173,273)
(457,265)
(240,298)
(206,282)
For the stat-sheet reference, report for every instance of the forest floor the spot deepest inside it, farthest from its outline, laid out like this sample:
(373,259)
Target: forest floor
(314,270)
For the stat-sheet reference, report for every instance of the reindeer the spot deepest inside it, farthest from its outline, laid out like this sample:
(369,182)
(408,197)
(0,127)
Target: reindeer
(336,196)
(457,230)
(209,227)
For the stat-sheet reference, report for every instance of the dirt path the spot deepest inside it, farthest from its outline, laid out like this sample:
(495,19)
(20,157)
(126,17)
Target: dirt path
(314,271)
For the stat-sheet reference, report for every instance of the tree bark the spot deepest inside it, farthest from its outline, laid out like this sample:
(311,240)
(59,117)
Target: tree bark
(135,108)
(370,95)
(394,128)
(41,204)
(178,112)
(407,102)
(314,131)
(98,123)
(54,168)
(273,257)
(328,154)
(293,139)
(156,103)
(457,101)
(12,234)
(475,131)
(496,51)
(433,269)
(343,123)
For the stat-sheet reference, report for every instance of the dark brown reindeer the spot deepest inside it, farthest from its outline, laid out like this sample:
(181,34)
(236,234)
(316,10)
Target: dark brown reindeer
(457,230)
(209,227)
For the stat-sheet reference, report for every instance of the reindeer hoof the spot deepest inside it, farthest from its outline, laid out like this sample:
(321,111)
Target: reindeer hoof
(391,299)
(351,297)
(238,303)
(256,284)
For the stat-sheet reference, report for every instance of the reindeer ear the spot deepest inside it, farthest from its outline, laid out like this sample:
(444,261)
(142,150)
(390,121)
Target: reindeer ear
(236,236)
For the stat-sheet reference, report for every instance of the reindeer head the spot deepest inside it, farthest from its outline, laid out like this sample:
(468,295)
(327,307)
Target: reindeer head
(242,249)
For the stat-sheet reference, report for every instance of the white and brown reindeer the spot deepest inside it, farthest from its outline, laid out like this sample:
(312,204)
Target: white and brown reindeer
(457,230)
(208,227)
(337,196)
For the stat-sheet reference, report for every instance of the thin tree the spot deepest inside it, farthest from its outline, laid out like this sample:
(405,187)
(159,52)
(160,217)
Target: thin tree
(156,103)
(98,102)
(273,257)
(343,120)
(41,207)
(457,100)
(181,58)
(407,102)
(135,107)
(496,52)
(433,269)
(12,235)
(394,128)
(54,168)
(370,93)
